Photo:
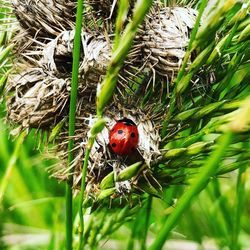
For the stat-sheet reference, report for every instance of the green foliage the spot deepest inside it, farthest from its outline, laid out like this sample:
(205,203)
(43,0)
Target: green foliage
(28,196)
(215,142)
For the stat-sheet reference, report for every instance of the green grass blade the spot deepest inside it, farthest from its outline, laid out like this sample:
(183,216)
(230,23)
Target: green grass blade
(147,220)
(10,165)
(200,182)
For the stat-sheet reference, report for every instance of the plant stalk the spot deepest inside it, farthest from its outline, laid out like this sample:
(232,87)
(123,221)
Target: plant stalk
(238,211)
(147,218)
(83,186)
(72,111)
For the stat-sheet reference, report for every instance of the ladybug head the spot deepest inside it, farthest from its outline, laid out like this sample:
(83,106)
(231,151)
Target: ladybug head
(126,121)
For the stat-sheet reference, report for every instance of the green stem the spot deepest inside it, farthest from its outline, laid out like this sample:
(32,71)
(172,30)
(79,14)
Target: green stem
(148,211)
(190,44)
(121,17)
(96,128)
(208,171)
(72,111)
(131,241)
(240,192)
(223,204)
(69,220)
(83,186)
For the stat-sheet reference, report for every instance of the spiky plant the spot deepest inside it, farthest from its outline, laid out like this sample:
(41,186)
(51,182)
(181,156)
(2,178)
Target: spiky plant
(41,93)
(179,75)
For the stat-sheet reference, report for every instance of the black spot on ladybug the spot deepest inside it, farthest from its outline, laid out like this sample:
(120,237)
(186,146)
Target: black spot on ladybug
(112,130)
(120,132)
(127,122)
(132,135)
(113,145)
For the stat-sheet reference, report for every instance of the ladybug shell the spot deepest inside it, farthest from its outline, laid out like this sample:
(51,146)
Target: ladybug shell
(124,137)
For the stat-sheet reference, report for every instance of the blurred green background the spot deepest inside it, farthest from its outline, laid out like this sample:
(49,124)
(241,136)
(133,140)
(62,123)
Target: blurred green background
(31,203)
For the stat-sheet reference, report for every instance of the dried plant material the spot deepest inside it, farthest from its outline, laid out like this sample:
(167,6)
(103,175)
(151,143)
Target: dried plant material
(38,96)
(165,35)
(103,8)
(35,99)
(102,160)
(56,57)
(45,17)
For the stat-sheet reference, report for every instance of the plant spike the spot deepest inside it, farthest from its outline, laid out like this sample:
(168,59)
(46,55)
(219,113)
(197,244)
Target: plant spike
(107,87)
(238,124)
(183,67)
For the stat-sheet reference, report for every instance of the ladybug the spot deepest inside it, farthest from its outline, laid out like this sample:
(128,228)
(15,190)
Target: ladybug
(124,137)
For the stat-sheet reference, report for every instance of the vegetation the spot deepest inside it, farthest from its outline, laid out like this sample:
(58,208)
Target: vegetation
(197,190)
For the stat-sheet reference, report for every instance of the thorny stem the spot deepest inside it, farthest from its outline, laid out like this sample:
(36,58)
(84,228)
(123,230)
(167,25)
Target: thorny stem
(209,169)
(72,111)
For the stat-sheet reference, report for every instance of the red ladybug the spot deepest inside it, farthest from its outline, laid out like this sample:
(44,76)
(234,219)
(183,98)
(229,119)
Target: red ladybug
(124,137)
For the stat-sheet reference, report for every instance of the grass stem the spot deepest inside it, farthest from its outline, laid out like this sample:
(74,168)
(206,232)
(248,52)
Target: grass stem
(83,186)
(72,111)
(240,193)
(147,219)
